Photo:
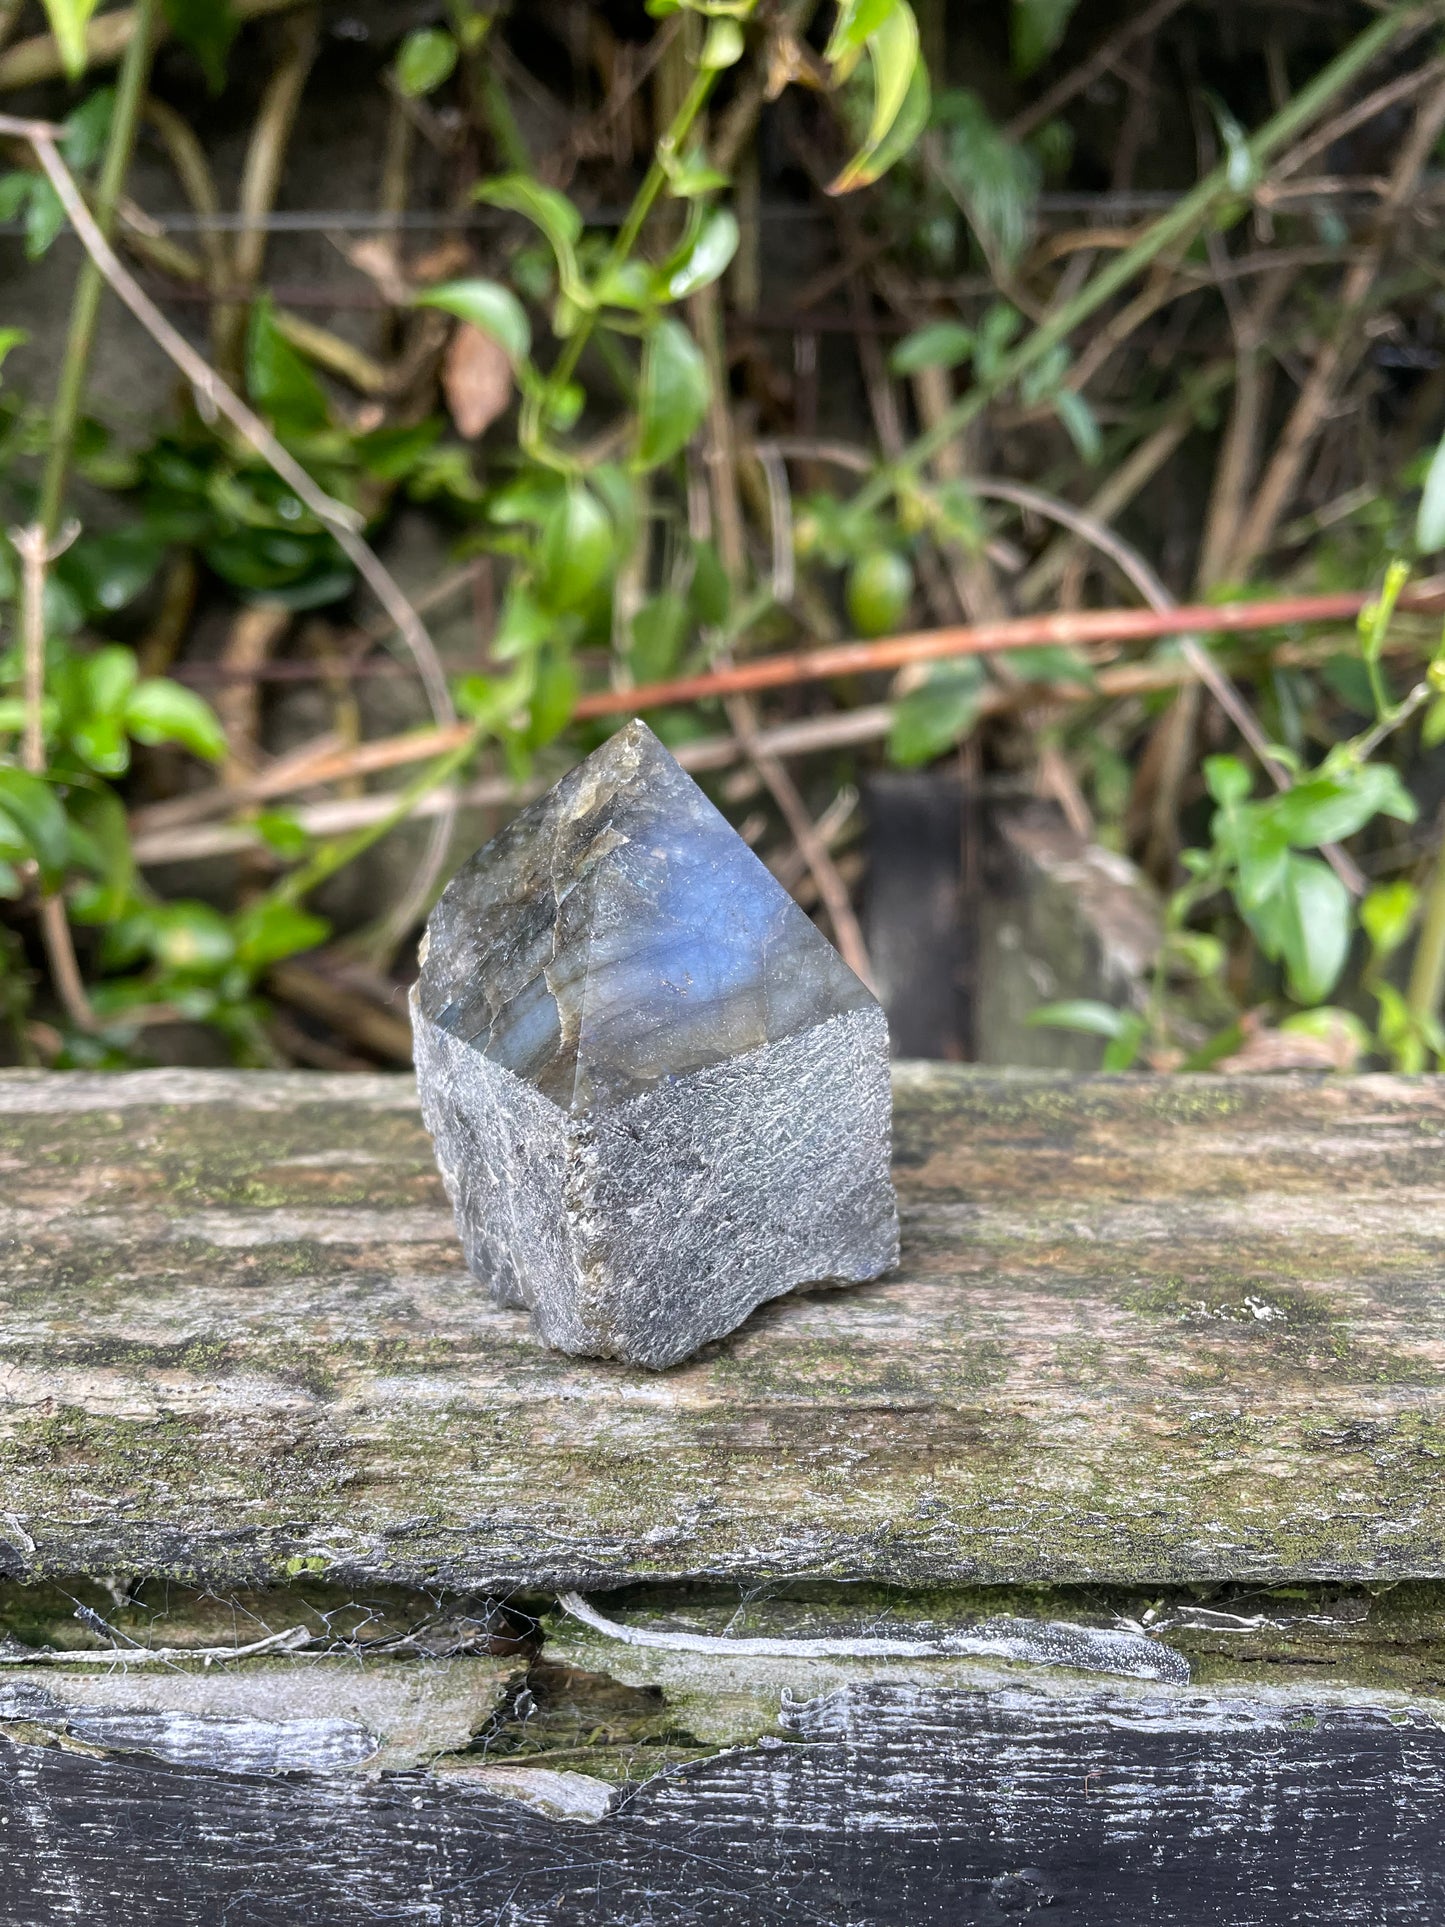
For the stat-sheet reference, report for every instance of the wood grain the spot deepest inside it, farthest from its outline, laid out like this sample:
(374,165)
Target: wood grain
(894,1805)
(1153,1331)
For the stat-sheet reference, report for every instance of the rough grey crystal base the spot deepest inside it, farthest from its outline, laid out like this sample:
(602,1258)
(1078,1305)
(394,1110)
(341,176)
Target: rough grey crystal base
(658,1096)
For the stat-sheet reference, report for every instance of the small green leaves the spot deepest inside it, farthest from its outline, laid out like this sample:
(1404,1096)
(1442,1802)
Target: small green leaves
(929,720)
(706,256)
(1035,29)
(266,931)
(1306,925)
(160,711)
(880,585)
(426,58)
(550,211)
(576,549)
(658,632)
(943,344)
(32,815)
(674,393)
(1387,916)
(68,22)
(1123,1028)
(486,305)
(208,28)
(900,85)
(1430,521)
(280,381)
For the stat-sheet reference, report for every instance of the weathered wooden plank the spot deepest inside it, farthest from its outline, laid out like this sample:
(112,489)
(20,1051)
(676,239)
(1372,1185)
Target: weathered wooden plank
(893,1804)
(1169,1330)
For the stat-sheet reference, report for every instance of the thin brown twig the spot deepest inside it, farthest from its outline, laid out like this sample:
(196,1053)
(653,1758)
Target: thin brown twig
(1316,397)
(260,179)
(37,552)
(216,394)
(1088,71)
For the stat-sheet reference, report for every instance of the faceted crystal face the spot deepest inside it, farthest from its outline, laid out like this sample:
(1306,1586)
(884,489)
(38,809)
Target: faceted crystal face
(619,932)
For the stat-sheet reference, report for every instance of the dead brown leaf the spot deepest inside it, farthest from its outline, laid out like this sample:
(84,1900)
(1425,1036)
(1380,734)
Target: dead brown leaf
(476,378)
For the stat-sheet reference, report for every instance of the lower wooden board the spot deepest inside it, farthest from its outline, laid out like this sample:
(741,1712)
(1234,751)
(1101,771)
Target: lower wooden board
(1143,1331)
(888,1803)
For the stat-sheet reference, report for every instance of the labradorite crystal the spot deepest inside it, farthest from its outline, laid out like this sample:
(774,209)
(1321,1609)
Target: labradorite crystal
(658,1094)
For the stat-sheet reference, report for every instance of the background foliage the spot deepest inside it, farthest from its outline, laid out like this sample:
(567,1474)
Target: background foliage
(692,334)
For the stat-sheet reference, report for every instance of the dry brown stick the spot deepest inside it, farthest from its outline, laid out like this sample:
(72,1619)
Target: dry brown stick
(255,630)
(191,168)
(10,12)
(37,552)
(215,394)
(32,61)
(1088,71)
(260,179)
(1235,470)
(1315,399)
(348,1011)
(1134,473)
(1356,115)
(721,458)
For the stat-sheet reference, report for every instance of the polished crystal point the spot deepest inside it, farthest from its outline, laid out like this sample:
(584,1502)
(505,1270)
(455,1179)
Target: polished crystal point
(659,1096)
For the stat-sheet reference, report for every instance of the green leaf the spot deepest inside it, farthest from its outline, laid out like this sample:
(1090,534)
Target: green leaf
(1387,916)
(880,587)
(44,219)
(706,257)
(993,179)
(1036,28)
(549,210)
(673,396)
(35,814)
(87,130)
(426,58)
(282,834)
(857,21)
(161,711)
(1228,780)
(100,843)
(1079,421)
(709,595)
(100,684)
(931,719)
(691,174)
(267,931)
(1432,729)
(100,742)
(554,697)
(1081,1013)
(191,937)
(208,28)
(1325,808)
(943,344)
(1308,927)
(523,625)
(1052,662)
(901,100)
(1430,521)
(658,631)
(11,338)
(486,305)
(108,571)
(68,21)
(281,384)
(576,549)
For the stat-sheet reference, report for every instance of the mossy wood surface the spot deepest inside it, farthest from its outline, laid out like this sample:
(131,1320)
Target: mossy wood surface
(1143,1332)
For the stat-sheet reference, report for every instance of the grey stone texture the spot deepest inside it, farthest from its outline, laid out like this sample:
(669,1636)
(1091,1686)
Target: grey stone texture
(658,1095)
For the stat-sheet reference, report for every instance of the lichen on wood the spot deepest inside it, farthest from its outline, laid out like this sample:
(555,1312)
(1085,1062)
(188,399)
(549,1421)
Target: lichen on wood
(1143,1331)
